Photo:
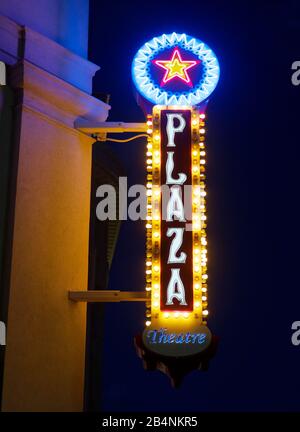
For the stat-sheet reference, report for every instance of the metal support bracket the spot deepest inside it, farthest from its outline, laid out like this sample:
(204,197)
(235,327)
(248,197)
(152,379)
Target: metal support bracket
(100,129)
(104,296)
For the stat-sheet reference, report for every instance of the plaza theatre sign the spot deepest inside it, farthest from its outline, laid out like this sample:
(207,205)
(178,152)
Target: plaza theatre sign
(174,76)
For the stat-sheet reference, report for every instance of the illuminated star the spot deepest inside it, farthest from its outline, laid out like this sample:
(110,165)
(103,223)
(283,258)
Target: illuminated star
(176,67)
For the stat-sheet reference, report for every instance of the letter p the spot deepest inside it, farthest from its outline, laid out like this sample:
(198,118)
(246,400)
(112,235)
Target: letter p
(171,129)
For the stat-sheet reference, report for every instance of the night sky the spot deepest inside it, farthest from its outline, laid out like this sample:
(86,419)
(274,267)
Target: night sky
(253,126)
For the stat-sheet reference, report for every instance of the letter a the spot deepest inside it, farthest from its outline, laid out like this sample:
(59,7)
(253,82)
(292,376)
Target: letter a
(175,281)
(175,205)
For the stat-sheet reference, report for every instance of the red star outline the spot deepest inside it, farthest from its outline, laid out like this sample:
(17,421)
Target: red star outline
(176,57)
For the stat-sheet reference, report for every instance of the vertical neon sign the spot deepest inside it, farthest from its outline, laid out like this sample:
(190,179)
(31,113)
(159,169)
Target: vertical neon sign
(176,74)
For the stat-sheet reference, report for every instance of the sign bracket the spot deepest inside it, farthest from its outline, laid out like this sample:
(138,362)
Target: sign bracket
(107,296)
(101,129)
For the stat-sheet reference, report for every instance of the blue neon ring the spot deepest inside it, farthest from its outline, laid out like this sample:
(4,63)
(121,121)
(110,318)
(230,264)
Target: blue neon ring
(158,96)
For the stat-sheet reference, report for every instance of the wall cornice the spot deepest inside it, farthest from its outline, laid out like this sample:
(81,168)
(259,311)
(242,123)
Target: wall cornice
(53,97)
(55,81)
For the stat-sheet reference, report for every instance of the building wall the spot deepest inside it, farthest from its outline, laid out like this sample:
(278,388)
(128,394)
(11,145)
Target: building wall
(44,360)
(64,21)
(49,221)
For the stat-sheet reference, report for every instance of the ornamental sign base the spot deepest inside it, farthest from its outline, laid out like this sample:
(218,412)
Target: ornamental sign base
(174,75)
(176,368)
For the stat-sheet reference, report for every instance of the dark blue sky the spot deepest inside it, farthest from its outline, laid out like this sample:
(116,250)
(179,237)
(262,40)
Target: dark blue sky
(253,212)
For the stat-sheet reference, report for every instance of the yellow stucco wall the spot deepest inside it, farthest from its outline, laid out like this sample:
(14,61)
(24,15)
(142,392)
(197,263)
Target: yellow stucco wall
(44,360)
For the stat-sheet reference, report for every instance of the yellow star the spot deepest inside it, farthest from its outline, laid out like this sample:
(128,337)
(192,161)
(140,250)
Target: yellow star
(176,67)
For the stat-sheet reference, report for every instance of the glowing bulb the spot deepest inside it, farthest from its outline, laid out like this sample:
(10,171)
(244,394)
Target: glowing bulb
(197,304)
(194,122)
(205,312)
(149,122)
(195,153)
(197,286)
(176,314)
(148,226)
(197,269)
(148,323)
(196,251)
(202,161)
(149,192)
(202,153)
(149,131)
(166,315)
(156,295)
(202,130)
(156,268)
(204,298)
(185,314)
(202,116)
(148,289)
(204,289)
(156,286)
(155,304)
(156,234)
(204,276)
(148,263)
(157,137)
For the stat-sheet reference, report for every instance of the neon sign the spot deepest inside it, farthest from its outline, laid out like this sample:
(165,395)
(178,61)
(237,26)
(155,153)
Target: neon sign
(176,261)
(176,73)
